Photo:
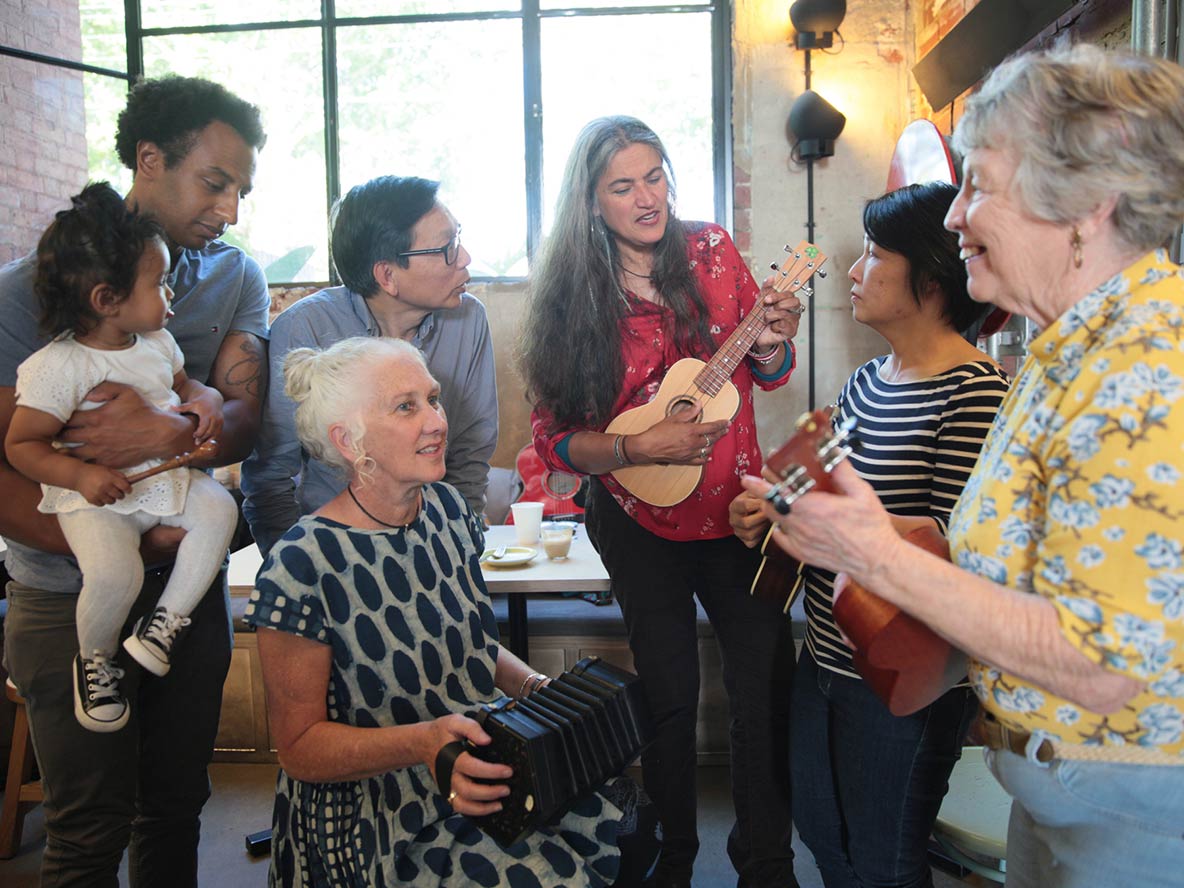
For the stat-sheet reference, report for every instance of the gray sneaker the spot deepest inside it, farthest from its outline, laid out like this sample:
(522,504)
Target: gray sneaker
(98,703)
(153,639)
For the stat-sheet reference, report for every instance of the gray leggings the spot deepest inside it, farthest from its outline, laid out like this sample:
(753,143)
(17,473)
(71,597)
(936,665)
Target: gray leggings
(106,545)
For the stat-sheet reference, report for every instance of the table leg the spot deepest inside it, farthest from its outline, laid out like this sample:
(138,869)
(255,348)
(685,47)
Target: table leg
(519,636)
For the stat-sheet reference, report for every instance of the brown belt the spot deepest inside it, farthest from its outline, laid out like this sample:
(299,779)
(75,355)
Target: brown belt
(999,736)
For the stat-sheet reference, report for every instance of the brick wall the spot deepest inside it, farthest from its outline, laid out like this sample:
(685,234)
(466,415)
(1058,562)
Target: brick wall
(42,121)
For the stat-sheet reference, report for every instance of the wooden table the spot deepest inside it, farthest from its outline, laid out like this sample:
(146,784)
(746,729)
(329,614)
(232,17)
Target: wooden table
(581,571)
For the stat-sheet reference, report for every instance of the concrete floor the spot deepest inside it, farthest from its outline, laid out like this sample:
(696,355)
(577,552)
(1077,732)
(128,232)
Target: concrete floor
(241,804)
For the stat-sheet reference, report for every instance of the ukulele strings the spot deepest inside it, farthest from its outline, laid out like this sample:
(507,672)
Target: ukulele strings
(712,377)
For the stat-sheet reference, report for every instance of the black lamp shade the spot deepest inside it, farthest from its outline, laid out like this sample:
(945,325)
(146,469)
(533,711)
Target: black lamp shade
(815,21)
(814,124)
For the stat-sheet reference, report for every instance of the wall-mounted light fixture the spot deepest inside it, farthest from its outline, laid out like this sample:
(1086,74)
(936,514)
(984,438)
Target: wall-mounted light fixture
(816,22)
(814,123)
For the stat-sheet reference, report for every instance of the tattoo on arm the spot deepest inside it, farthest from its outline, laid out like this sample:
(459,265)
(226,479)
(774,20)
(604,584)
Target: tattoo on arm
(245,373)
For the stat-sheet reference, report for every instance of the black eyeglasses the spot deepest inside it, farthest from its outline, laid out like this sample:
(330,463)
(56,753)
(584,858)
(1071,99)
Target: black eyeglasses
(449,251)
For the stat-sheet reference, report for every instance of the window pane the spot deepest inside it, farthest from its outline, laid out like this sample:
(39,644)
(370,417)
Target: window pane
(180,13)
(283,221)
(412,103)
(610,4)
(670,55)
(359,8)
(104,40)
(105,98)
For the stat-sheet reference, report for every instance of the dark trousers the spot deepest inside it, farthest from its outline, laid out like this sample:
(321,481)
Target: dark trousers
(656,582)
(142,787)
(867,785)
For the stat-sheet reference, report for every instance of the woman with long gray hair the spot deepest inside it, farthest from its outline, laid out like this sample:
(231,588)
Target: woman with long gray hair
(622,291)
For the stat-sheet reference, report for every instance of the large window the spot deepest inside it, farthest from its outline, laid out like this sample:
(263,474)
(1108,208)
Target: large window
(484,95)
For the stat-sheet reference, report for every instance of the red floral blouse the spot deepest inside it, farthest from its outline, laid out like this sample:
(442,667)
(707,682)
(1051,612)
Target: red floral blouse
(649,350)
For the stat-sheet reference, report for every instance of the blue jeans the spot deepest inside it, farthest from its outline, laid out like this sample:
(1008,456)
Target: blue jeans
(867,785)
(1079,823)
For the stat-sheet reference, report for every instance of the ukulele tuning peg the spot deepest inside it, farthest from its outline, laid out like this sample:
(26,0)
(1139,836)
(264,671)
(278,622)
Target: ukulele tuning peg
(821,273)
(807,291)
(780,504)
(787,248)
(774,266)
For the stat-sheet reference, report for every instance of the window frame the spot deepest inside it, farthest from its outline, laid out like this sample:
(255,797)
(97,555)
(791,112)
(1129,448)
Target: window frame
(532,111)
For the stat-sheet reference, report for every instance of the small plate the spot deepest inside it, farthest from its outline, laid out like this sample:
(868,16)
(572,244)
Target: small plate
(515,556)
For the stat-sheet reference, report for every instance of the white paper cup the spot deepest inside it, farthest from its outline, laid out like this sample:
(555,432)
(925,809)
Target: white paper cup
(528,517)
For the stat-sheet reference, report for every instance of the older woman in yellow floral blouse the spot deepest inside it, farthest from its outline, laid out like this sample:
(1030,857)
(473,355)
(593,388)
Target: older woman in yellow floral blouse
(1067,587)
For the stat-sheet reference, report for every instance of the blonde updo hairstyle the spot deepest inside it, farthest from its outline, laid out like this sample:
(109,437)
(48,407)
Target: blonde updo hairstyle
(330,386)
(1085,125)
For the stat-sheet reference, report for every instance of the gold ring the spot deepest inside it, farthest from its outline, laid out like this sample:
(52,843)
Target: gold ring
(703,453)
(706,440)
(452,797)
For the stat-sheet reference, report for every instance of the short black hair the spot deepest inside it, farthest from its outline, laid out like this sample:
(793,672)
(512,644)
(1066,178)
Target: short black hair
(373,223)
(172,111)
(910,221)
(97,241)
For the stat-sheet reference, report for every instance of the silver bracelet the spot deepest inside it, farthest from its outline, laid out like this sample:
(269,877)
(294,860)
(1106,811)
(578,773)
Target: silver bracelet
(538,677)
(619,451)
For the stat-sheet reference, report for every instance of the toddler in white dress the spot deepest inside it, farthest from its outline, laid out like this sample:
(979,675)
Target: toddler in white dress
(102,282)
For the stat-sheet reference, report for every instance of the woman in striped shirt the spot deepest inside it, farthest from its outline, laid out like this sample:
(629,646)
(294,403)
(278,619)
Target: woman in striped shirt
(867,785)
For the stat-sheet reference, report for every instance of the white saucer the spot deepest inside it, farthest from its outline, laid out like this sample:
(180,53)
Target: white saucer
(515,556)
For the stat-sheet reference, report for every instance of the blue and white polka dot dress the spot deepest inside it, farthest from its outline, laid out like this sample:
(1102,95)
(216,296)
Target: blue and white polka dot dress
(407,615)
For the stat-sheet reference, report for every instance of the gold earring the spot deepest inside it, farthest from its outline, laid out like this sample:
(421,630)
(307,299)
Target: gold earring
(1076,242)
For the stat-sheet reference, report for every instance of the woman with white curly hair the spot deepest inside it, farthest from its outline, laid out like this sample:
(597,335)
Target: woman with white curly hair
(1067,581)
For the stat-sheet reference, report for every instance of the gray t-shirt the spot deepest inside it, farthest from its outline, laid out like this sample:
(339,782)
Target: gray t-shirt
(281,482)
(216,290)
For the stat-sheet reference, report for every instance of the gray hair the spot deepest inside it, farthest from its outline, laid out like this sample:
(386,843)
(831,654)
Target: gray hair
(1085,125)
(327,387)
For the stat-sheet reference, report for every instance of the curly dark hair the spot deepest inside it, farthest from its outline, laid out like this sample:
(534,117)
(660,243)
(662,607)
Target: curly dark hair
(97,241)
(171,111)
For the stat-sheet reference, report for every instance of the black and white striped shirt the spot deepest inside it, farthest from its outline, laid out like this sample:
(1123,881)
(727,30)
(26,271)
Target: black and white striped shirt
(918,442)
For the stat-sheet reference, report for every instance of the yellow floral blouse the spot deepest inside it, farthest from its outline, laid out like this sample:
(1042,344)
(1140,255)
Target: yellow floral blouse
(1078,497)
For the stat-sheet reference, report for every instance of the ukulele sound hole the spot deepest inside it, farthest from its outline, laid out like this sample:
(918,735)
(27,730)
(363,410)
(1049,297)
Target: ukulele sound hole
(561,485)
(678,405)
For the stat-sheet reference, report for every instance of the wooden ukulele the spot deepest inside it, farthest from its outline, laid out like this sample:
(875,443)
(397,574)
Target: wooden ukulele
(691,381)
(555,490)
(813,450)
(904,662)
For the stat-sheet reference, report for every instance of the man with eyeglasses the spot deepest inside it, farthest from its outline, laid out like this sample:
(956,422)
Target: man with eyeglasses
(404,270)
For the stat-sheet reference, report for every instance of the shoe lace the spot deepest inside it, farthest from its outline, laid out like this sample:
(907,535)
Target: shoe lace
(102,677)
(164,626)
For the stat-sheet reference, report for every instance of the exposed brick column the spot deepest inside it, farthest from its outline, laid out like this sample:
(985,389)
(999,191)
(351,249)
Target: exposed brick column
(742,209)
(42,121)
